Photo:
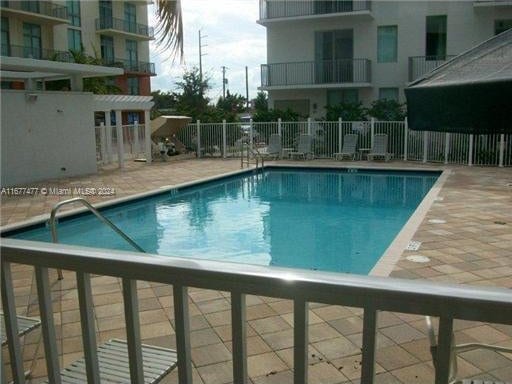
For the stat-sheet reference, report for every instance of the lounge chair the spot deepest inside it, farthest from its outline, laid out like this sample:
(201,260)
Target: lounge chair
(274,149)
(459,349)
(304,149)
(114,365)
(380,147)
(25,325)
(349,147)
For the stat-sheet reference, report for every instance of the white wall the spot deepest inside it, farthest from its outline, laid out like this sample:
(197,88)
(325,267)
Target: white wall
(41,138)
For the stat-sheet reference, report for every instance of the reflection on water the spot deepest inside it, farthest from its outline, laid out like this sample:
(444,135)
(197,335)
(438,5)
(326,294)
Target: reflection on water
(326,220)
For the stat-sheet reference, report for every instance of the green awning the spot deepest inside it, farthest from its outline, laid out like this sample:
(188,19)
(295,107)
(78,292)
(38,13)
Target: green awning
(472,93)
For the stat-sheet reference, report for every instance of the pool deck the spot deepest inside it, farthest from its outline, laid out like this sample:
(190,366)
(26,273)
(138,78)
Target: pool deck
(472,246)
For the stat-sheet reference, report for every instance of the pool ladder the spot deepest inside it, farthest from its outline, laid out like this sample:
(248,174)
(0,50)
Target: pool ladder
(250,151)
(53,223)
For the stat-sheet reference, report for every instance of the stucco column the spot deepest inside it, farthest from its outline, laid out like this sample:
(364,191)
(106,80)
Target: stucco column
(120,139)
(77,83)
(108,135)
(147,135)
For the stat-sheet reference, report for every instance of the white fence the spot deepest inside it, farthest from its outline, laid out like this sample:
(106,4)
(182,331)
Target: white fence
(223,140)
(133,144)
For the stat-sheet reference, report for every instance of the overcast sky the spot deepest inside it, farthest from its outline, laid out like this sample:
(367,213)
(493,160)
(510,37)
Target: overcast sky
(233,38)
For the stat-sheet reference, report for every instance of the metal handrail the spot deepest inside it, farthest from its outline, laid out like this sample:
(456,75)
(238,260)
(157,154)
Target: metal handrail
(53,221)
(251,151)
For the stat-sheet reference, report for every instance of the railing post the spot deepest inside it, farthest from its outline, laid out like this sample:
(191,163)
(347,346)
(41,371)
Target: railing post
(425,145)
(309,125)
(147,136)
(340,133)
(444,350)
(470,154)
(88,328)
(372,131)
(131,314)
(120,139)
(300,340)
(198,138)
(251,134)
(224,139)
(406,137)
(11,325)
(369,345)
(238,325)
(44,296)
(103,143)
(502,150)
(446,146)
(182,328)
(279,127)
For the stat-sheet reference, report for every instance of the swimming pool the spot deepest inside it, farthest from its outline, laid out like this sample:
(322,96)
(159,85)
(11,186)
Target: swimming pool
(339,220)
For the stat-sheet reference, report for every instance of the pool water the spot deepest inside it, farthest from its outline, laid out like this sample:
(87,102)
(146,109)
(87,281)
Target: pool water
(321,219)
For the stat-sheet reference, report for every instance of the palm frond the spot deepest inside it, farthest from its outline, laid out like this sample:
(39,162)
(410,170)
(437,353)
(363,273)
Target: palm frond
(169,31)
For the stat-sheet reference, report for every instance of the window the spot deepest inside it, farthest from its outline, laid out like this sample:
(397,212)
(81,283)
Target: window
(388,94)
(107,49)
(338,96)
(502,26)
(131,52)
(298,106)
(30,6)
(73,12)
(74,39)
(6,44)
(130,17)
(133,85)
(32,40)
(387,44)
(436,38)
(105,14)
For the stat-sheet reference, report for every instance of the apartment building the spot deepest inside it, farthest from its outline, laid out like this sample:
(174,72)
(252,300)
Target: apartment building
(116,32)
(322,53)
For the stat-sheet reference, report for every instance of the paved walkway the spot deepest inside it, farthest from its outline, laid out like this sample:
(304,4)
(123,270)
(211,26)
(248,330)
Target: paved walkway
(469,241)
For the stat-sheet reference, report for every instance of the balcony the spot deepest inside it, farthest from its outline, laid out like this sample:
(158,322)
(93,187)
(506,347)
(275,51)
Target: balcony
(133,67)
(36,53)
(420,65)
(281,10)
(37,11)
(126,28)
(491,3)
(317,74)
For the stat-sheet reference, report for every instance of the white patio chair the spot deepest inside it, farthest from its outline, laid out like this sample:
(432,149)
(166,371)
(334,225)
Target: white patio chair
(349,147)
(274,149)
(380,147)
(304,149)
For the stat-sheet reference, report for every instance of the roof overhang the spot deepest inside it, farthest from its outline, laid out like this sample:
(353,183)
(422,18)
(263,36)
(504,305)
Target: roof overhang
(55,69)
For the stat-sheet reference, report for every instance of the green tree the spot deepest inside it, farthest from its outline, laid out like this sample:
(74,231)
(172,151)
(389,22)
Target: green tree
(232,103)
(261,102)
(387,110)
(190,97)
(348,111)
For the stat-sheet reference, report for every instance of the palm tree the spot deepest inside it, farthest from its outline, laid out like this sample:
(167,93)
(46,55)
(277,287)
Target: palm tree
(170,26)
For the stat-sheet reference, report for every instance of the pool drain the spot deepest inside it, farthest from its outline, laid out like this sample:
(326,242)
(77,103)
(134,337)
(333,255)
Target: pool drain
(413,246)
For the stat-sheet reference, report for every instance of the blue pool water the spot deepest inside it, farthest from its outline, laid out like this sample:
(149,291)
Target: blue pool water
(331,220)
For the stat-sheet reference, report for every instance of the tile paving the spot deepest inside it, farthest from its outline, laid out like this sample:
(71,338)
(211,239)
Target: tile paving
(472,246)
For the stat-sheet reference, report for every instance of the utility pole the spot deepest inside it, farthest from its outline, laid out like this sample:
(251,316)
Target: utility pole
(247,87)
(201,54)
(224,81)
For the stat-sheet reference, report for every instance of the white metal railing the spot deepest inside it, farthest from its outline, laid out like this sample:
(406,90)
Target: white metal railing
(372,294)
(223,140)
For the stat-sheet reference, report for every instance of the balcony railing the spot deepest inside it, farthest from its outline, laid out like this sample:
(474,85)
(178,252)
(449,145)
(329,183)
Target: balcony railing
(370,293)
(420,65)
(45,8)
(132,66)
(316,72)
(271,9)
(36,53)
(125,26)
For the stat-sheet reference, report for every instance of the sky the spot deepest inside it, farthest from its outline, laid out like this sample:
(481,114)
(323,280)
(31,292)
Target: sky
(234,40)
